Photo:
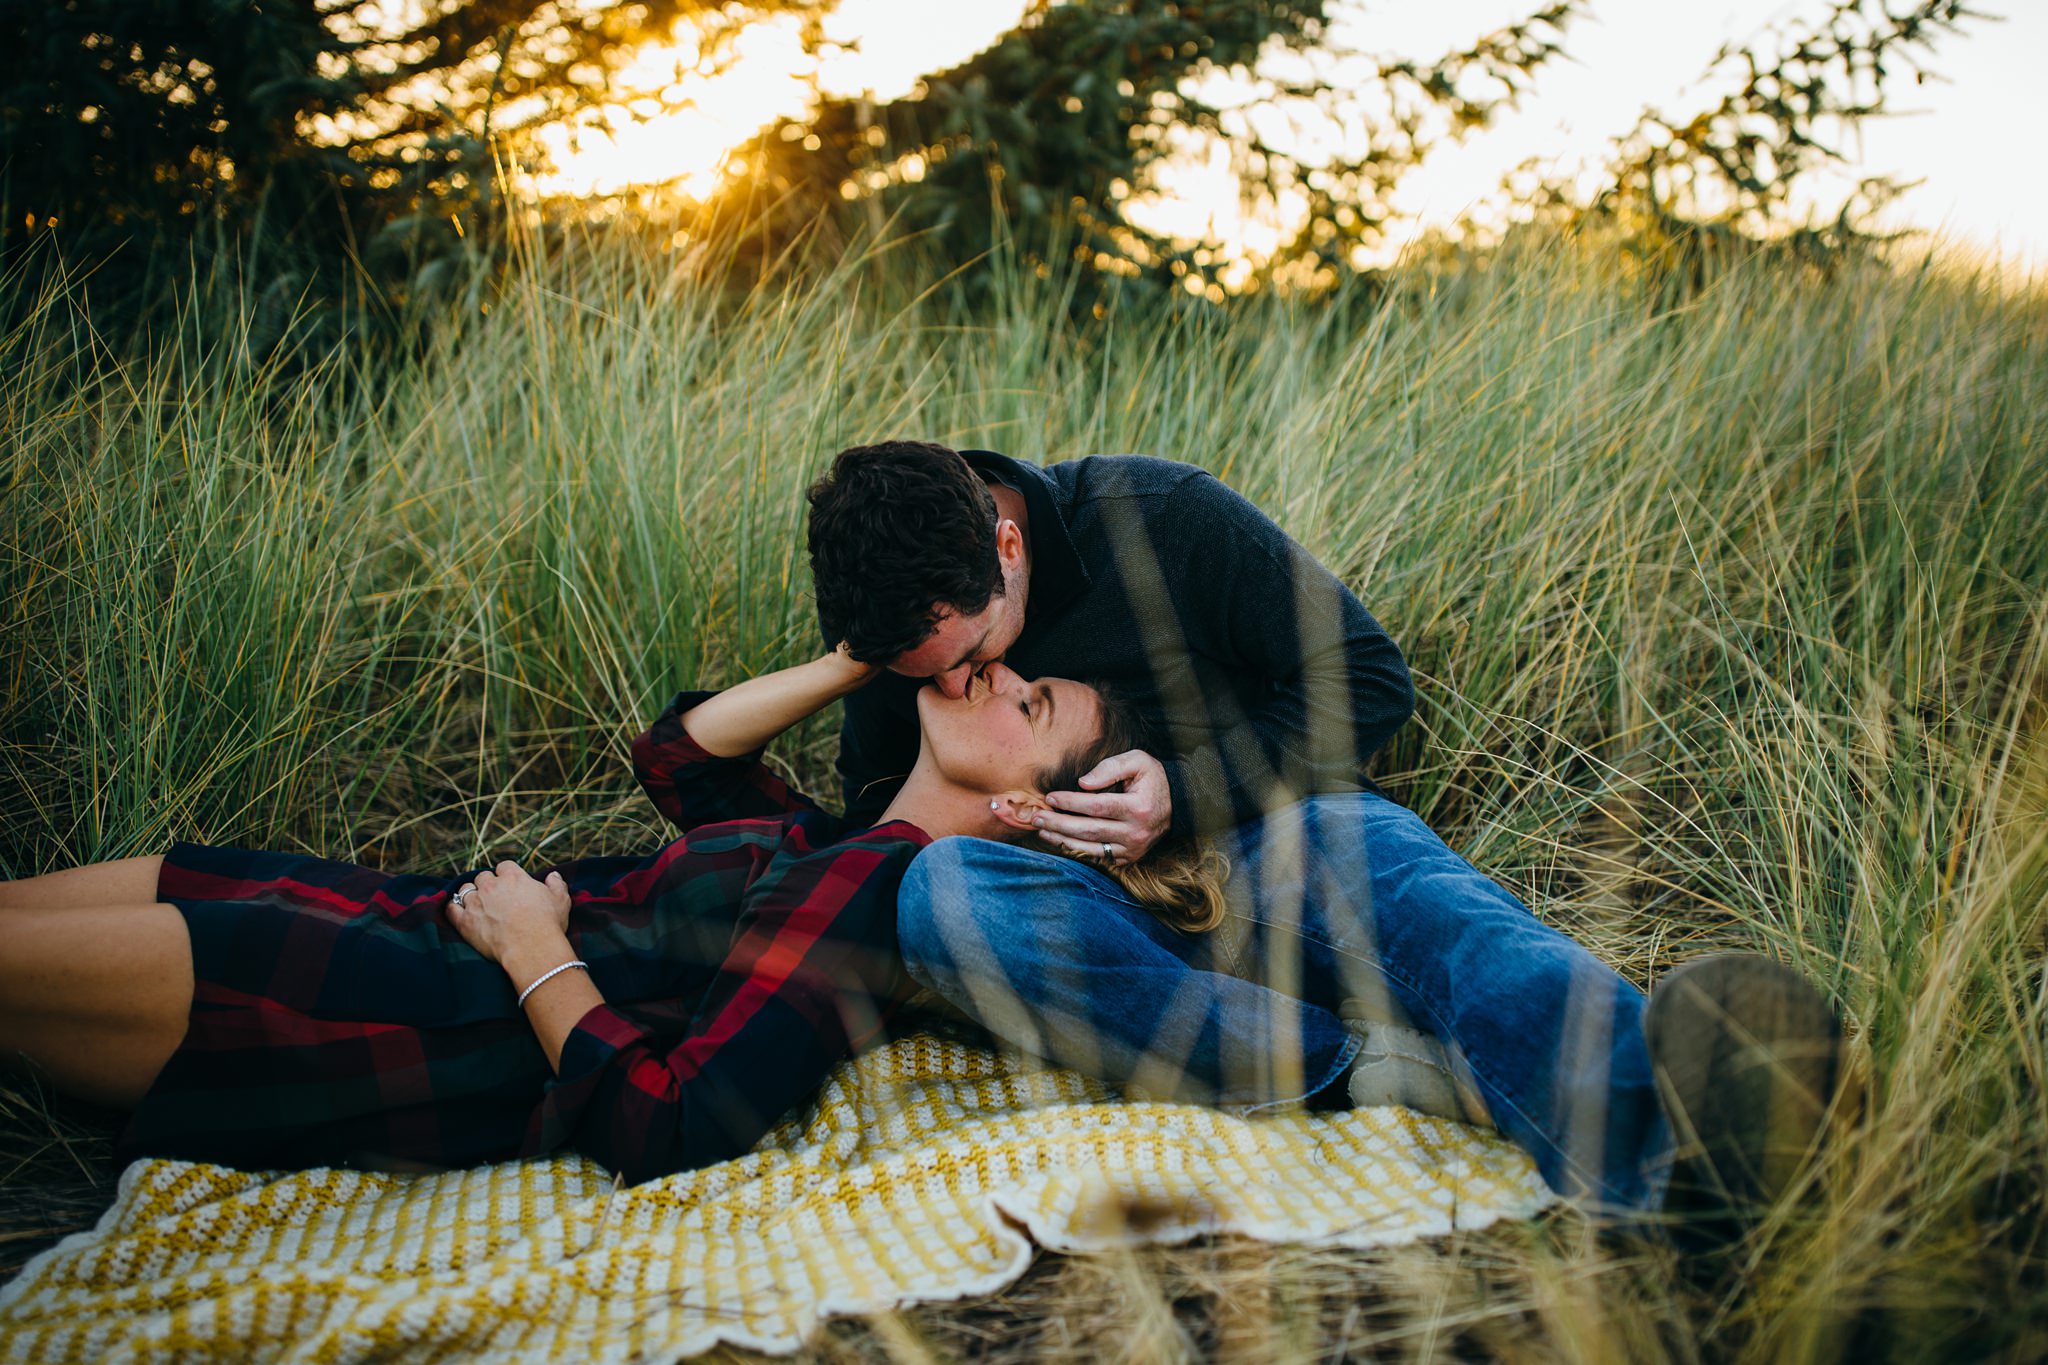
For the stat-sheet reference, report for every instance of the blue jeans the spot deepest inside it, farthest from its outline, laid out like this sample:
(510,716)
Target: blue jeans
(1339,904)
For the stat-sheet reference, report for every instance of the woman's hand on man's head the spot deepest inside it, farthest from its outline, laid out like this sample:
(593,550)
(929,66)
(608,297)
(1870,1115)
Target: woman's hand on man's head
(505,910)
(856,672)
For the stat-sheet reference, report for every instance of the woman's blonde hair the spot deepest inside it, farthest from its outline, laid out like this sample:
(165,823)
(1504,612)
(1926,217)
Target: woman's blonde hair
(1181,883)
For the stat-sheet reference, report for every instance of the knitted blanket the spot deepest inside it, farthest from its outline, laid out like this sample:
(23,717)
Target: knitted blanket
(926,1170)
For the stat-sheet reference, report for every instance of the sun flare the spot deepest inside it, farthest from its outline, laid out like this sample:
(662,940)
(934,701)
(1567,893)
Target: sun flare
(690,108)
(683,110)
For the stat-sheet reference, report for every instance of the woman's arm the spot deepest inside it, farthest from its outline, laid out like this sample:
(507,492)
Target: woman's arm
(522,925)
(746,716)
(812,969)
(698,762)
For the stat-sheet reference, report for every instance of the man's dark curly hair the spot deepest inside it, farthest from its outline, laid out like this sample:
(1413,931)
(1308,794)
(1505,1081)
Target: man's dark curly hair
(899,530)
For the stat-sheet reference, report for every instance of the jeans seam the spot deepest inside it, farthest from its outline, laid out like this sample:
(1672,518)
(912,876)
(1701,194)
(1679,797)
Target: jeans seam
(1352,1046)
(1069,870)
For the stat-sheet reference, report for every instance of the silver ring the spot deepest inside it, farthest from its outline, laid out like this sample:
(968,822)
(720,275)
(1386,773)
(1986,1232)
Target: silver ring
(1106,853)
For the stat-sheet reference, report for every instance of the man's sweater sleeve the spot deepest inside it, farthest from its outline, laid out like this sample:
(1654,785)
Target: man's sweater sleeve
(1324,685)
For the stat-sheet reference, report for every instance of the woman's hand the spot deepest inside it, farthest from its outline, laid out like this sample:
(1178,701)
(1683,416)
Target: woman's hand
(523,926)
(505,911)
(856,671)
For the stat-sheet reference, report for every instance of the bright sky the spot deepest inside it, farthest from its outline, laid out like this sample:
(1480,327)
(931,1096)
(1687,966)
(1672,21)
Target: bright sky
(1964,135)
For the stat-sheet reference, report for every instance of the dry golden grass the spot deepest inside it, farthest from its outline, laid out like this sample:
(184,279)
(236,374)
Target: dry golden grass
(1729,620)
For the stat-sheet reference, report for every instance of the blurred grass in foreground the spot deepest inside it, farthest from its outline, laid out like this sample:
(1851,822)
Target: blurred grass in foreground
(1730,623)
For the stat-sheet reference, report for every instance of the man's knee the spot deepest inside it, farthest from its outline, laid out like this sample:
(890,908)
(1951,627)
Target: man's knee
(941,919)
(977,905)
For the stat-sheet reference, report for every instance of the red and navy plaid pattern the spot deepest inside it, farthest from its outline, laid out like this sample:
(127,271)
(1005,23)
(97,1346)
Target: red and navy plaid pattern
(338,1015)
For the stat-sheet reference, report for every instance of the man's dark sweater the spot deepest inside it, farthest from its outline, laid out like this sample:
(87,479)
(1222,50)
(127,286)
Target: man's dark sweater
(1266,675)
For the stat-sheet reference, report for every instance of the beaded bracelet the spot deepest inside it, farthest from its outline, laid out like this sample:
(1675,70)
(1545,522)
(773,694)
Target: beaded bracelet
(538,981)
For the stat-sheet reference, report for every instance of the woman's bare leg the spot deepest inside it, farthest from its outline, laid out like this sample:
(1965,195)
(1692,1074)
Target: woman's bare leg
(95,998)
(128,881)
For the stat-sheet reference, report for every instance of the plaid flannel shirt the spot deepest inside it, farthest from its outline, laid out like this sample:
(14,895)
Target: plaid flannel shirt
(811,970)
(337,1015)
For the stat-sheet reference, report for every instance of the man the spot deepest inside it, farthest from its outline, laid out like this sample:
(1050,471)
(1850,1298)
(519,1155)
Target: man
(1271,685)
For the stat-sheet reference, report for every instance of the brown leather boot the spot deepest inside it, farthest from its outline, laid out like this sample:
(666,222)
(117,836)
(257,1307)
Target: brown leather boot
(1748,1059)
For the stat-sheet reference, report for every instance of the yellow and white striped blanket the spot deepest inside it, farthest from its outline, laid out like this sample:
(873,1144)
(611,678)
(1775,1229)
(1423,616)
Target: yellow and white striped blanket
(926,1171)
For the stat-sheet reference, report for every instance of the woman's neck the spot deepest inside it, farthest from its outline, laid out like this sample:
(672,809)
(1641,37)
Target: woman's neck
(939,808)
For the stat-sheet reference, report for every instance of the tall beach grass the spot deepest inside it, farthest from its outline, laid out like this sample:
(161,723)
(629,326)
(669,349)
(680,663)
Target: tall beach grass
(1729,619)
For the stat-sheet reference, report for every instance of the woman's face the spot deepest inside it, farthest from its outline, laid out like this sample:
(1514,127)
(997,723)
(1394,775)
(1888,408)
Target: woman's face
(1005,731)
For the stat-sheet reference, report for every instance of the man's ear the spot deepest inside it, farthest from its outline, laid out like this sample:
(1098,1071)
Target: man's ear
(1014,809)
(1009,543)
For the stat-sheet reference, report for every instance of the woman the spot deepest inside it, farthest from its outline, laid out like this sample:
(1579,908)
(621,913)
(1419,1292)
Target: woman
(655,1013)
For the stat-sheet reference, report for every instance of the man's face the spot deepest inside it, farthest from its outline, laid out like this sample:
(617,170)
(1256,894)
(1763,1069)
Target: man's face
(961,645)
